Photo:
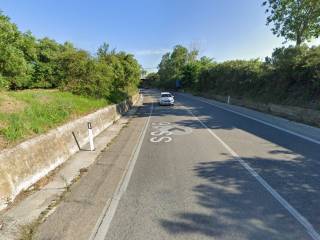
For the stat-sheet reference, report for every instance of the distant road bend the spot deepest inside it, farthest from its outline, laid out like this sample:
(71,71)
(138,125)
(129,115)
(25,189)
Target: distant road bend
(202,172)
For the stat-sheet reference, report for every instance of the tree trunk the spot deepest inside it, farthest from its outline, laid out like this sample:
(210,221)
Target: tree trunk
(299,40)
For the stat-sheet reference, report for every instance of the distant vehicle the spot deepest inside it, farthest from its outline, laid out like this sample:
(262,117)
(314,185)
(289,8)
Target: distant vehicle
(166,98)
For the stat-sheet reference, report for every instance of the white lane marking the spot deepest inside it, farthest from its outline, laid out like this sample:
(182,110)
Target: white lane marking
(160,123)
(159,139)
(302,220)
(102,226)
(165,129)
(260,121)
(159,131)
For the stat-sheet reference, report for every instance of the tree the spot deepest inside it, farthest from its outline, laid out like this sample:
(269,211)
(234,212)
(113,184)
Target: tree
(172,65)
(14,68)
(46,69)
(151,80)
(191,71)
(179,58)
(28,45)
(27,62)
(296,20)
(165,70)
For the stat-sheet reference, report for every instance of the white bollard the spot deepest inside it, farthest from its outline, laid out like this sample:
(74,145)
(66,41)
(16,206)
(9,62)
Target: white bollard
(228,100)
(90,136)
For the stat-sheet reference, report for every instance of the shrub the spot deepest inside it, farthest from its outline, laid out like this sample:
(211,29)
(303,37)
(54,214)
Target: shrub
(291,75)
(26,62)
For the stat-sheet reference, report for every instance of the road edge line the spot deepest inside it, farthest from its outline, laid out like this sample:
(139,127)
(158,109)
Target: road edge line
(102,225)
(258,120)
(302,220)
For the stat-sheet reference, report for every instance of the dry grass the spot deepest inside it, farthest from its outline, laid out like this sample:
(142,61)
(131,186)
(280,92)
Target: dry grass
(10,105)
(27,232)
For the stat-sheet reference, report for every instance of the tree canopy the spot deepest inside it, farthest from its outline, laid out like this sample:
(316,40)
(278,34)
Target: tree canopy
(28,62)
(172,64)
(296,20)
(290,76)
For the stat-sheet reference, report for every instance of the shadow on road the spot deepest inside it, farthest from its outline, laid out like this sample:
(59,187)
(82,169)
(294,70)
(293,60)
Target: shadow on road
(231,201)
(216,118)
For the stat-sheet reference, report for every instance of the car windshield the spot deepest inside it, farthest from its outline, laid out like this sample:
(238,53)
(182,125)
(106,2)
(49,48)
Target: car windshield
(165,95)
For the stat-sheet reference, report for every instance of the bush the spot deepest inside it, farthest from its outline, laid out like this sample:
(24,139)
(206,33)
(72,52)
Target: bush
(4,83)
(111,75)
(237,77)
(151,80)
(295,74)
(290,76)
(26,62)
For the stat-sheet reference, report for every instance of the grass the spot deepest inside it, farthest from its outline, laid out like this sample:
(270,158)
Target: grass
(24,114)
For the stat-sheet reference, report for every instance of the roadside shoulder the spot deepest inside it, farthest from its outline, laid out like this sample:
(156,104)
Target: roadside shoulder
(41,201)
(76,216)
(298,129)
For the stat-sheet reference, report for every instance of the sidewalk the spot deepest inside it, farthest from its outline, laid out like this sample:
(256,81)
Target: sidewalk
(42,202)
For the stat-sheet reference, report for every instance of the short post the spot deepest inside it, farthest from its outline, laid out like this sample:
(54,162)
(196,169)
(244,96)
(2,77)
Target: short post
(228,101)
(90,136)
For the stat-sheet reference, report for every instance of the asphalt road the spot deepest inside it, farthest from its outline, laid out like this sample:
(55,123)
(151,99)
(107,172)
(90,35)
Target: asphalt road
(206,173)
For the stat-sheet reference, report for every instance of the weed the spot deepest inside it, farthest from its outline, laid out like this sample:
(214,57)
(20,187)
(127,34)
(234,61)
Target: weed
(27,231)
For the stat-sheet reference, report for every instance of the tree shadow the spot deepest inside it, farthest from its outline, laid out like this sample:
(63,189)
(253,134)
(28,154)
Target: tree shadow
(179,111)
(216,118)
(230,202)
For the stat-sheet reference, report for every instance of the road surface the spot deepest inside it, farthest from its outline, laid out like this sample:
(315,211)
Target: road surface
(206,173)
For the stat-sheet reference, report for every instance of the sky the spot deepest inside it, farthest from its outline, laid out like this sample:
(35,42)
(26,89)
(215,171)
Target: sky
(220,29)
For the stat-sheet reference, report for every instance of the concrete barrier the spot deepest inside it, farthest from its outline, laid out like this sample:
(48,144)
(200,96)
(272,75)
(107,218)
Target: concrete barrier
(28,162)
(299,114)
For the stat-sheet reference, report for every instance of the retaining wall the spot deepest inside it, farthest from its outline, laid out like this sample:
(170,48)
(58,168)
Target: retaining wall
(299,114)
(26,163)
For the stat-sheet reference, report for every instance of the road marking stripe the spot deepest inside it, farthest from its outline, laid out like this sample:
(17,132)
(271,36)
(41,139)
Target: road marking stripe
(259,120)
(102,226)
(302,220)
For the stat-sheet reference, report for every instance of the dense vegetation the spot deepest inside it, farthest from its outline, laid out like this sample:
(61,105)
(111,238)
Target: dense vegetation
(290,76)
(295,20)
(27,62)
(59,82)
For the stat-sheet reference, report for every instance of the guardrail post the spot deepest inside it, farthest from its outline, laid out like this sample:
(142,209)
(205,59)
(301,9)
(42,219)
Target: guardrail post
(228,101)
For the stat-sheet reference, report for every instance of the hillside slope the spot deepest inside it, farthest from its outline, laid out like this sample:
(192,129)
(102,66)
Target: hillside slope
(24,114)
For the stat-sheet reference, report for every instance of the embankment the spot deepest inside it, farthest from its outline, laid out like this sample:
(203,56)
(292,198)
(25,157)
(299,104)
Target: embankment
(26,163)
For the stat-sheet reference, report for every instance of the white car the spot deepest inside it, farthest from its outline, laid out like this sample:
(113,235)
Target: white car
(166,98)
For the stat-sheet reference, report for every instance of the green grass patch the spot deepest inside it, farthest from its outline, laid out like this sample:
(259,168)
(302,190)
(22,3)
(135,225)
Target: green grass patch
(30,112)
